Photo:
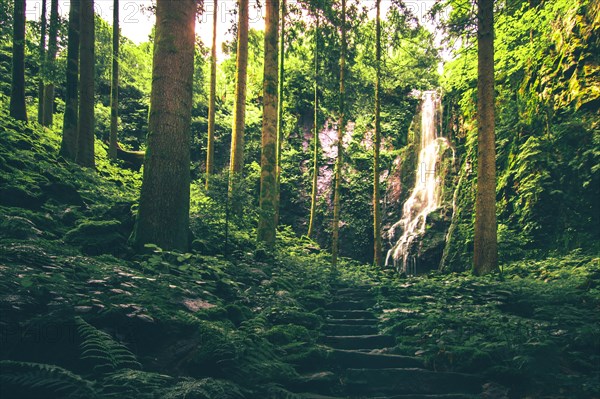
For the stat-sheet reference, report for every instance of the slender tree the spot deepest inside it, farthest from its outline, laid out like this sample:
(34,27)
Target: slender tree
(377,254)
(239,113)
(42,61)
(114,86)
(85,136)
(268,161)
(163,216)
(68,147)
(485,257)
(340,144)
(315,177)
(210,147)
(17,90)
(280,106)
(50,67)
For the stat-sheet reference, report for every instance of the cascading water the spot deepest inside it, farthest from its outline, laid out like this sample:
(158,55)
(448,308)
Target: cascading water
(426,195)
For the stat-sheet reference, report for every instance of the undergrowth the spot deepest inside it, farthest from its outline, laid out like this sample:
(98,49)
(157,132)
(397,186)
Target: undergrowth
(83,316)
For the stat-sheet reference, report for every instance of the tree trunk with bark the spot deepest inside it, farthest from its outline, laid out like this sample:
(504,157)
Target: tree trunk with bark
(485,256)
(340,145)
(114,86)
(85,140)
(50,67)
(377,254)
(267,226)
(315,177)
(236,166)
(17,90)
(42,61)
(280,106)
(163,216)
(210,146)
(68,147)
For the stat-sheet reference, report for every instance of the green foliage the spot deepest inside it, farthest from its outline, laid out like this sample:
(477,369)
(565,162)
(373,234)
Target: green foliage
(37,380)
(516,330)
(230,320)
(128,383)
(546,130)
(206,388)
(101,350)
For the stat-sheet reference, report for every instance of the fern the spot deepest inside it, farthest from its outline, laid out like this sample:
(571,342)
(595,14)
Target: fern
(275,391)
(137,384)
(206,388)
(42,380)
(102,350)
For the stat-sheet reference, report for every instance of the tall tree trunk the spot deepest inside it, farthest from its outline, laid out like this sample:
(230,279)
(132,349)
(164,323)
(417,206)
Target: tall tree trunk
(68,147)
(377,255)
(42,61)
(268,161)
(239,113)
(17,90)
(485,257)
(50,68)
(85,140)
(280,107)
(163,216)
(210,146)
(114,87)
(340,146)
(315,177)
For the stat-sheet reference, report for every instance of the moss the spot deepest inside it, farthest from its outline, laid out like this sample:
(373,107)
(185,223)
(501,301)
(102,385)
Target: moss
(98,237)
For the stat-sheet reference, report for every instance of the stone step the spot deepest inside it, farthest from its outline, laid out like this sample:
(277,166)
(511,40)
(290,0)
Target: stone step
(318,396)
(352,294)
(354,322)
(403,381)
(409,396)
(362,304)
(352,314)
(350,329)
(353,359)
(359,341)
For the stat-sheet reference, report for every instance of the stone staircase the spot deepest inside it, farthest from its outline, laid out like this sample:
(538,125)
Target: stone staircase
(358,365)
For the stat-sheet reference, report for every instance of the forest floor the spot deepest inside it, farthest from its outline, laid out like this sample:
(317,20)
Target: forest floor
(82,316)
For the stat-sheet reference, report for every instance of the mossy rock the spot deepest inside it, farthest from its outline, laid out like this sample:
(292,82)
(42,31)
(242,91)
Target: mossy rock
(62,193)
(20,198)
(18,227)
(287,334)
(238,314)
(98,237)
(292,316)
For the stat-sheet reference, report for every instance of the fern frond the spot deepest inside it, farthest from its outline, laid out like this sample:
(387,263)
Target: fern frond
(206,388)
(102,350)
(37,380)
(134,384)
(275,391)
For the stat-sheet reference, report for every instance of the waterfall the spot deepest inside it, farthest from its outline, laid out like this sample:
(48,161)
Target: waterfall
(426,194)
